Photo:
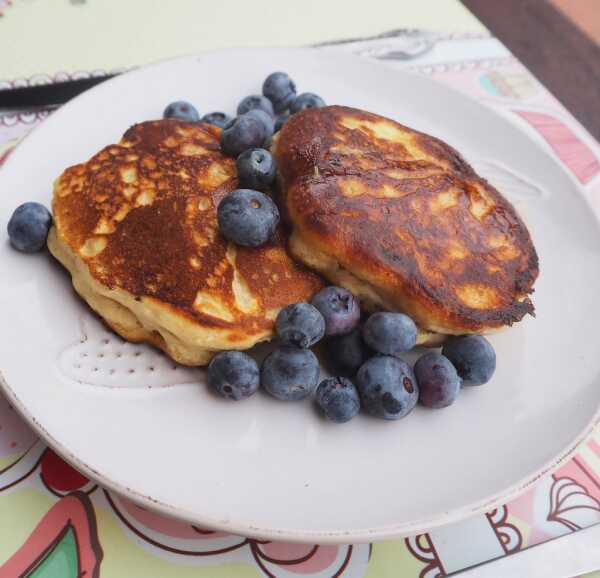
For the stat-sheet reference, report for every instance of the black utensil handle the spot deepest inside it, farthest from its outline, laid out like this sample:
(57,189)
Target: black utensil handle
(47,94)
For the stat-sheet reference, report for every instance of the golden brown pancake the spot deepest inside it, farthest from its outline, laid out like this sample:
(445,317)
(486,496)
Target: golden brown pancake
(400,219)
(136,227)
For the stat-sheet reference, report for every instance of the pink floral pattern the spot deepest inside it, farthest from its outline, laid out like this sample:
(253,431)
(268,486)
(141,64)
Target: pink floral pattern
(570,148)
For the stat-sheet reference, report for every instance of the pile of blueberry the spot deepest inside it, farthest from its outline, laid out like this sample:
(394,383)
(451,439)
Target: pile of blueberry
(248,216)
(365,358)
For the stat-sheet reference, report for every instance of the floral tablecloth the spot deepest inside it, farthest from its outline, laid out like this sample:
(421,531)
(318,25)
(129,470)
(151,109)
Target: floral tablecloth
(56,523)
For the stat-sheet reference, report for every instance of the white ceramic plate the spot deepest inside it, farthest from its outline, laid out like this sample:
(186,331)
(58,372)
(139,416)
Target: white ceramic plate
(272,469)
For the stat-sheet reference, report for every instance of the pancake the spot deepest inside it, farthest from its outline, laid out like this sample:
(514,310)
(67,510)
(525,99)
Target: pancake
(136,227)
(401,220)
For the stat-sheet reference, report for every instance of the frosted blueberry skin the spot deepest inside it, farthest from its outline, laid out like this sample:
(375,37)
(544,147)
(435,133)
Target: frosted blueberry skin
(338,399)
(387,386)
(473,357)
(290,373)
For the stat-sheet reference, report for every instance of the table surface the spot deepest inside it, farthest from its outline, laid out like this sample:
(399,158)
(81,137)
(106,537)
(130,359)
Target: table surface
(559,41)
(47,36)
(472,62)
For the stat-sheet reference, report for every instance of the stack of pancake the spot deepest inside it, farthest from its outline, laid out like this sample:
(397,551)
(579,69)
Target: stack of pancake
(394,215)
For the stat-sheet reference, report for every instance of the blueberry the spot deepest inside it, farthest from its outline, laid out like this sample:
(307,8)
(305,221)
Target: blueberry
(473,356)
(290,373)
(280,121)
(387,386)
(255,101)
(234,374)
(340,309)
(306,100)
(182,110)
(300,324)
(346,353)
(219,119)
(28,227)
(242,133)
(338,398)
(280,89)
(247,217)
(390,333)
(438,381)
(256,169)
(265,119)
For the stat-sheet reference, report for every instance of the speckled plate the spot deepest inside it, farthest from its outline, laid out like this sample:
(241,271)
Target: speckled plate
(126,416)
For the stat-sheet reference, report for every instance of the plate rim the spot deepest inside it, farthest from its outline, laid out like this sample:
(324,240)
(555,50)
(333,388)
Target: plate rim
(390,532)
(365,535)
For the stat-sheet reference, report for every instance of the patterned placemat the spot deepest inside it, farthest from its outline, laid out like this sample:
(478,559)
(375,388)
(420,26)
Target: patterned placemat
(56,523)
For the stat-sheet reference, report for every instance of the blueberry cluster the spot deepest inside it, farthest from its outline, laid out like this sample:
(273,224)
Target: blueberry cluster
(248,216)
(291,371)
(370,372)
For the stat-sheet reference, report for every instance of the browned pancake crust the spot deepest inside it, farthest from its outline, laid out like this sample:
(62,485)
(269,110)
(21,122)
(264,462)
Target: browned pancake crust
(404,212)
(149,203)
